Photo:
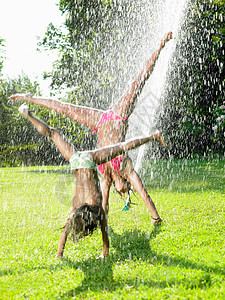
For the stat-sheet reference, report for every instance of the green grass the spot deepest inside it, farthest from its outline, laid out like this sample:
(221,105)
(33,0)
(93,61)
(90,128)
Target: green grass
(182,259)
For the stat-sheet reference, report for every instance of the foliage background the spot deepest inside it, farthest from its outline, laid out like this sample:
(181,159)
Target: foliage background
(94,65)
(195,84)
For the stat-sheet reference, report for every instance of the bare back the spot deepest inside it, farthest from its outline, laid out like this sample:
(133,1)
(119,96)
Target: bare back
(111,132)
(87,188)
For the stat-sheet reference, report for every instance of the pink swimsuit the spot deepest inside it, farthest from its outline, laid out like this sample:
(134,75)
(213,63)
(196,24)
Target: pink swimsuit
(110,116)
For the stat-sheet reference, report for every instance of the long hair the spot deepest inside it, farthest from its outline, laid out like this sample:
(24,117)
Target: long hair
(85,220)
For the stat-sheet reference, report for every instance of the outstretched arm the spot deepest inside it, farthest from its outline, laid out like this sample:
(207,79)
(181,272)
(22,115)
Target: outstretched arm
(81,114)
(105,154)
(126,104)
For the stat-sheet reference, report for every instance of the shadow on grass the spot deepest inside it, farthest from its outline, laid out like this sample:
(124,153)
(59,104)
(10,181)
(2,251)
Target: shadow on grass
(131,246)
(134,246)
(99,272)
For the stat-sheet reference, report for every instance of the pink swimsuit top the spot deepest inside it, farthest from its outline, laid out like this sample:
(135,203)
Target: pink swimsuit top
(110,116)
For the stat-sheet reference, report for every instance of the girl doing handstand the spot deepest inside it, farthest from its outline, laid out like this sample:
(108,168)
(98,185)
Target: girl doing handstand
(87,211)
(111,127)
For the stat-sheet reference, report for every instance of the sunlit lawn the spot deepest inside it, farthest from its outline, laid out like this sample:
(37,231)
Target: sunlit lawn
(182,259)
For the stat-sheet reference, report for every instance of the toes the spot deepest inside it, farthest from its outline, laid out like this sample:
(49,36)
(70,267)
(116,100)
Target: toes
(23,109)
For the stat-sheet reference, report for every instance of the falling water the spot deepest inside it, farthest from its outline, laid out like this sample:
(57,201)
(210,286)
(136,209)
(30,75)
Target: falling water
(169,18)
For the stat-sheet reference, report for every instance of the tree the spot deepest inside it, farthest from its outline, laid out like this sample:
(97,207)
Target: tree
(93,60)
(14,134)
(19,140)
(2,51)
(94,63)
(196,83)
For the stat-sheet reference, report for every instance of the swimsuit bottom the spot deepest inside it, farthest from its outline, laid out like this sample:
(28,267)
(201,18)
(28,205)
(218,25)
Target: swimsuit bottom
(110,116)
(81,160)
(115,163)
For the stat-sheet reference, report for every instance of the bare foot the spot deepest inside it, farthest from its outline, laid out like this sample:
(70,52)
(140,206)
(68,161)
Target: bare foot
(168,36)
(158,137)
(19,97)
(24,109)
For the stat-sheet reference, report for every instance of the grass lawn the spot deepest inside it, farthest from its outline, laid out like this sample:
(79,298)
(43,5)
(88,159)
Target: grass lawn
(184,258)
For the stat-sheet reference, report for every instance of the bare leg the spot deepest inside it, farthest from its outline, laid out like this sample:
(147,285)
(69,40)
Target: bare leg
(105,188)
(126,104)
(81,114)
(67,151)
(64,147)
(90,116)
(105,235)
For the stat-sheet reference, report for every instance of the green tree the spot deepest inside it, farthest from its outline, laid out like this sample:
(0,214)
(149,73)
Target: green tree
(19,140)
(93,49)
(14,133)
(195,84)
(2,52)
(93,63)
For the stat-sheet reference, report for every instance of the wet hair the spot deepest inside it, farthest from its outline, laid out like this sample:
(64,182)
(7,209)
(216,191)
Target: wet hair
(85,220)
(129,187)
